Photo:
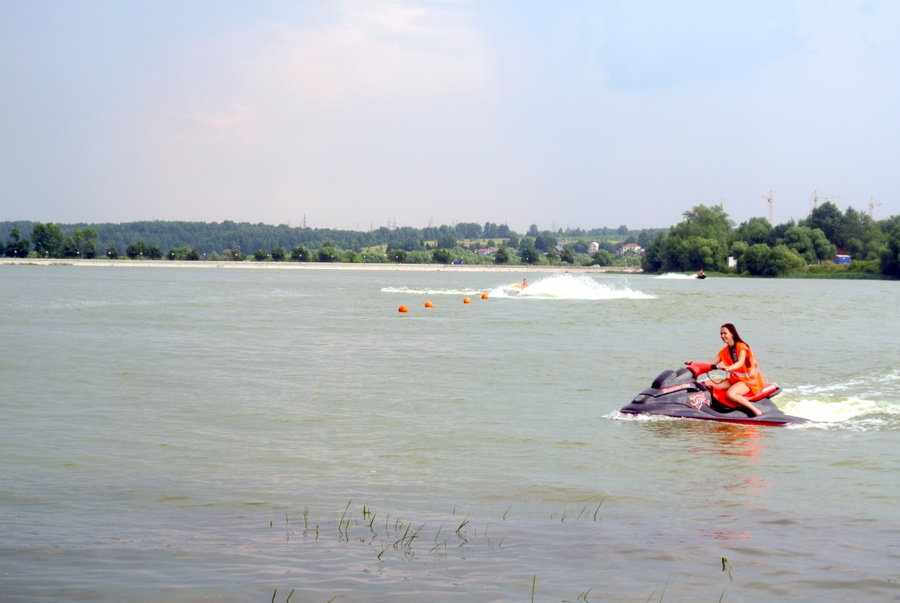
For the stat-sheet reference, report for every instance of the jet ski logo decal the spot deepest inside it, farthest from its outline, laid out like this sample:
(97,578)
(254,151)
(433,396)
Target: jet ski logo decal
(698,400)
(675,388)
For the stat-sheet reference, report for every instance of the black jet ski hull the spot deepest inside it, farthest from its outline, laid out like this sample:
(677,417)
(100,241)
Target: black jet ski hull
(679,394)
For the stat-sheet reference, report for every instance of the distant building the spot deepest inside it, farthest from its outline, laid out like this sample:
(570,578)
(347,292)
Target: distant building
(487,250)
(593,248)
(842,259)
(631,248)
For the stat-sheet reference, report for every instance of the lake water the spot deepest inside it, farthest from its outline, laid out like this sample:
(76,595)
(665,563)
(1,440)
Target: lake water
(191,434)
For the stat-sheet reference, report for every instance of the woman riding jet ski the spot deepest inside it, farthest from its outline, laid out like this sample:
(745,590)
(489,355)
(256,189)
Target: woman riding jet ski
(681,394)
(742,397)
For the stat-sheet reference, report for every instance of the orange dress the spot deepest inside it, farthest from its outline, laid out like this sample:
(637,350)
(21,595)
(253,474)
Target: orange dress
(748,373)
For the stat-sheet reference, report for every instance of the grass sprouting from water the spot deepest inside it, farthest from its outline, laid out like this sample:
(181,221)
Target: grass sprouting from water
(663,593)
(398,539)
(462,525)
(726,567)
(341,520)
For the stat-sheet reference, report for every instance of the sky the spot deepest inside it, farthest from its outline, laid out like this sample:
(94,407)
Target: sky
(362,114)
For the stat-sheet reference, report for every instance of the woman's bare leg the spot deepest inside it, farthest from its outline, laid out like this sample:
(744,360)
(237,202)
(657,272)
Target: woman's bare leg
(736,394)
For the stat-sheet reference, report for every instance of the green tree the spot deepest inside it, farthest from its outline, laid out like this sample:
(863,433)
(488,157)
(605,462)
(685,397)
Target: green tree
(112,253)
(278,254)
(738,248)
(260,255)
(182,253)
(72,248)
(48,240)
(329,253)
(753,231)
(653,259)
(699,252)
(890,255)
(397,255)
(552,256)
(824,249)
(300,254)
(783,261)
(602,257)
(502,255)
(16,246)
(446,241)
(137,250)
(86,241)
(468,230)
(761,260)
(706,222)
(701,240)
(754,259)
(580,246)
(827,217)
(90,249)
(441,256)
(799,239)
(530,255)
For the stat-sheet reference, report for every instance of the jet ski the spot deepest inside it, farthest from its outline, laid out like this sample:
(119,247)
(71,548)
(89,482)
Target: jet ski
(679,393)
(513,289)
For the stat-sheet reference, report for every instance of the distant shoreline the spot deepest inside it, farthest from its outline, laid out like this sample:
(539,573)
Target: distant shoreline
(314,265)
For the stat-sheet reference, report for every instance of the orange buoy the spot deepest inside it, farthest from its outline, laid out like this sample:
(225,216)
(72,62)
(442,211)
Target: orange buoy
(403,309)
(484,296)
(466,300)
(428,304)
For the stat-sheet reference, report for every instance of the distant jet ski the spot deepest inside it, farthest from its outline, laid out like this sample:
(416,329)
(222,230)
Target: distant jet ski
(513,289)
(679,393)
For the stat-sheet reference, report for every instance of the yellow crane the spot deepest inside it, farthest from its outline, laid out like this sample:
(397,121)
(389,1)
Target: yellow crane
(816,196)
(771,209)
(872,205)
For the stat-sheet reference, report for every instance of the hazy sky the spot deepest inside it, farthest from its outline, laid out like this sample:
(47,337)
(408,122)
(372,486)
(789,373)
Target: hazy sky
(361,114)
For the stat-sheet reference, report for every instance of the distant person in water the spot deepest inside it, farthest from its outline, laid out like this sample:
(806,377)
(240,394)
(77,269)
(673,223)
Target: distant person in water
(524,282)
(700,274)
(744,377)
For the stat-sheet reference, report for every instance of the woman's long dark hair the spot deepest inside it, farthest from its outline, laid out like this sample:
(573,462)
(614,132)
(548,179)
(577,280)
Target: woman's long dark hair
(730,327)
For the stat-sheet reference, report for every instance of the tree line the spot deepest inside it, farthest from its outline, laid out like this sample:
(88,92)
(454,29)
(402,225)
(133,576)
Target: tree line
(707,239)
(464,242)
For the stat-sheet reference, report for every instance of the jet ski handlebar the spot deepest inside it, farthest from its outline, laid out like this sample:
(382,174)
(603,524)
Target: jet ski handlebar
(698,368)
